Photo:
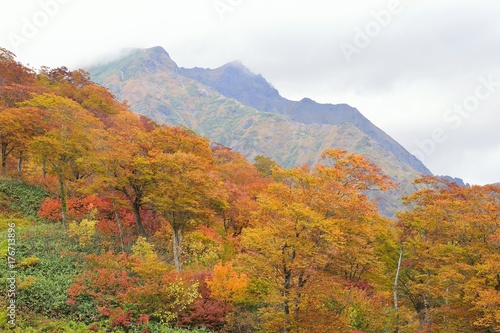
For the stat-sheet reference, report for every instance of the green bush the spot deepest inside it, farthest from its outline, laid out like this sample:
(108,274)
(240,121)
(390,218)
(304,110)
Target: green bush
(51,326)
(161,328)
(44,271)
(24,199)
(54,272)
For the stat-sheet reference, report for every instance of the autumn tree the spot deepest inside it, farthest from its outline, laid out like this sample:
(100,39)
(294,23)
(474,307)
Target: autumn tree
(124,169)
(186,193)
(226,284)
(303,234)
(67,143)
(18,126)
(450,264)
(16,80)
(344,180)
(242,183)
(264,165)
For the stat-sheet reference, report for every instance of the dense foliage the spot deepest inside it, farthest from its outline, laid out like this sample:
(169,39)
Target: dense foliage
(125,225)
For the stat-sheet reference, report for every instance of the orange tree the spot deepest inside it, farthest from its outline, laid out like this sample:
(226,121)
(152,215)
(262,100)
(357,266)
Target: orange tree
(452,252)
(315,229)
(18,127)
(242,182)
(16,80)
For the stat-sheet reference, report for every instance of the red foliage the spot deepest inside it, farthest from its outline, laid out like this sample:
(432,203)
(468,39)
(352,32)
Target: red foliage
(106,280)
(120,318)
(78,208)
(210,233)
(49,182)
(109,226)
(205,312)
(152,222)
(50,209)
(143,319)
(359,284)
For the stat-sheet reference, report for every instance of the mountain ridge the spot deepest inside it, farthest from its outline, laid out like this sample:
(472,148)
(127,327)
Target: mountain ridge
(223,80)
(241,110)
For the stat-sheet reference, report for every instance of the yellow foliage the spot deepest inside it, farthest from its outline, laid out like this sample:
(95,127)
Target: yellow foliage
(29,262)
(179,297)
(201,250)
(26,282)
(142,248)
(83,231)
(149,265)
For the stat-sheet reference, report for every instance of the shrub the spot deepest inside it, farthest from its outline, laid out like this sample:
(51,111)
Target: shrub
(29,262)
(25,199)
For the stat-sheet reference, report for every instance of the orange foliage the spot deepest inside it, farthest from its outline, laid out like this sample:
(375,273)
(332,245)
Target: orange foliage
(451,257)
(226,284)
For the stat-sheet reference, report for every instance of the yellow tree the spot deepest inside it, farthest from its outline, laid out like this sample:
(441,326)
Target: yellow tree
(186,193)
(308,231)
(67,143)
(287,246)
(451,258)
(343,180)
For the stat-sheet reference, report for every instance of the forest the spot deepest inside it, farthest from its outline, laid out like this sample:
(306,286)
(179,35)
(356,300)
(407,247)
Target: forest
(110,222)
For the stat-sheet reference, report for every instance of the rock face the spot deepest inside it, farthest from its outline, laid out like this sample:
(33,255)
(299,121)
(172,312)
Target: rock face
(241,110)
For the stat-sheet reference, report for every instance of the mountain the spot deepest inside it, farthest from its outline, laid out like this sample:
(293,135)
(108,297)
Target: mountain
(241,110)
(233,80)
(455,180)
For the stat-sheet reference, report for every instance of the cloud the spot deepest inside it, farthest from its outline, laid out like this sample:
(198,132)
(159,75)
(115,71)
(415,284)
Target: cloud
(413,69)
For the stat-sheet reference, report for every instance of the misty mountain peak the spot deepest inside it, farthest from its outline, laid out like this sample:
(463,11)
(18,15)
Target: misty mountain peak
(237,65)
(158,51)
(235,80)
(157,58)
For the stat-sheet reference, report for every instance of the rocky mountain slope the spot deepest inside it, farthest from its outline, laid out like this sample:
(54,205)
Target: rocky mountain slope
(241,110)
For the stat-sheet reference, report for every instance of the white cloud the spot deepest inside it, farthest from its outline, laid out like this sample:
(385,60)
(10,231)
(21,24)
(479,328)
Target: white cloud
(415,68)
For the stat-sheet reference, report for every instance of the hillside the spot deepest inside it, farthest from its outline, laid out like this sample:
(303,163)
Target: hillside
(241,110)
(111,222)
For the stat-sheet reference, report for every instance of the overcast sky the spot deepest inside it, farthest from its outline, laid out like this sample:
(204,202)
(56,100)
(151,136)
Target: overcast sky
(426,72)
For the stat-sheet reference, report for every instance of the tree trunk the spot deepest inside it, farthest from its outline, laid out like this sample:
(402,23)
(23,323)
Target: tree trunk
(424,318)
(286,312)
(177,248)
(120,229)
(287,281)
(44,169)
(4,156)
(64,202)
(20,163)
(138,220)
(396,279)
